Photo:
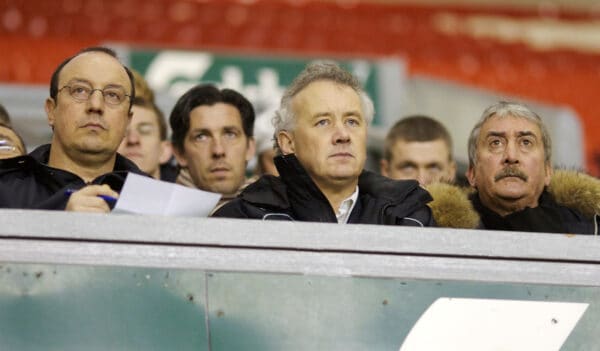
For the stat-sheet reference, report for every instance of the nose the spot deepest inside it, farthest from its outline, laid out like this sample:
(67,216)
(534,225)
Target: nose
(95,102)
(423,177)
(511,153)
(132,137)
(340,134)
(217,148)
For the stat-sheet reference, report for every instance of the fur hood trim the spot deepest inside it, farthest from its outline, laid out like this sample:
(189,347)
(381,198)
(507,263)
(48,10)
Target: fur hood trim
(576,190)
(451,206)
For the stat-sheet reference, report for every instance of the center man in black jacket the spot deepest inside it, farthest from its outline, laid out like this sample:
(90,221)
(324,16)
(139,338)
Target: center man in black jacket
(321,135)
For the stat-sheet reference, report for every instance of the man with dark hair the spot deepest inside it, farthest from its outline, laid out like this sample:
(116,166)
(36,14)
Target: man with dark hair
(89,109)
(418,147)
(321,134)
(213,138)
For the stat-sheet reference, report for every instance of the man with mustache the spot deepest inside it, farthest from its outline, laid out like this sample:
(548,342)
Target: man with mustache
(212,139)
(89,109)
(510,167)
(321,134)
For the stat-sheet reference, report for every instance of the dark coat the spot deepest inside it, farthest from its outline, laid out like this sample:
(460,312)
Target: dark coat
(548,217)
(27,182)
(294,196)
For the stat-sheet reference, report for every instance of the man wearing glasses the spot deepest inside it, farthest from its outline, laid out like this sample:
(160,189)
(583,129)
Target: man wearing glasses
(89,109)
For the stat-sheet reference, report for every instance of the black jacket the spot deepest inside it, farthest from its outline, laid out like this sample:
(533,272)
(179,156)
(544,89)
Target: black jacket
(28,182)
(294,196)
(548,217)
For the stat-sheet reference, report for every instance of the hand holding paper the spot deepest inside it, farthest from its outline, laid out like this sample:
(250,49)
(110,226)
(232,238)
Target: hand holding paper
(145,195)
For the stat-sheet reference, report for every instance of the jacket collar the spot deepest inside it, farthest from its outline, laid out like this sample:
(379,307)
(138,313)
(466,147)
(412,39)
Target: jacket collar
(55,178)
(295,191)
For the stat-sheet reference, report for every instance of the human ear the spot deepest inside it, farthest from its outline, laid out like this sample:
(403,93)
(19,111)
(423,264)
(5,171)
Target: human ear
(285,140)
(471,176)
(166,151)
(49,108)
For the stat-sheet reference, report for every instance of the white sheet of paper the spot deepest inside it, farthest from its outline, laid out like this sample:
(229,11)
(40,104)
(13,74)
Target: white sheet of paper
(145,195)
(484,324)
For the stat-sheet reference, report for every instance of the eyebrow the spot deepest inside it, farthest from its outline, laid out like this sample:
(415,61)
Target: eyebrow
(227,128)
(406,164)
(519,134)
(526,133)
(497,134)
(81,80)
(345,114)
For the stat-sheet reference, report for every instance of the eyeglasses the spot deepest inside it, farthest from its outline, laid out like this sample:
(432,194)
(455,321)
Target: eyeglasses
(112,95)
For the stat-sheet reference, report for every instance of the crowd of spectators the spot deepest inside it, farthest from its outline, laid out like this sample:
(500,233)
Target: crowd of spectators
(310,163)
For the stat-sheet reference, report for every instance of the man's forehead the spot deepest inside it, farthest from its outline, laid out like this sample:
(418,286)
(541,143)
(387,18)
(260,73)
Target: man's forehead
(217,116)
(144,114)
(422,151)
(95,67)
(323,94)
(510,126)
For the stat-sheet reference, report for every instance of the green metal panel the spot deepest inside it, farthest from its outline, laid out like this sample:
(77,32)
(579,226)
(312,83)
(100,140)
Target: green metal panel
(47,307)
(295,312)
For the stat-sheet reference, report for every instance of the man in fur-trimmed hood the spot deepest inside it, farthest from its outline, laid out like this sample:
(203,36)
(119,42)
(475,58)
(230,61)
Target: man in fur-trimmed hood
(510,169)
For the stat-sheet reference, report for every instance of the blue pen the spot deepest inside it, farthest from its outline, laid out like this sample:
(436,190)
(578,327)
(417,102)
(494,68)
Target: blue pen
(109,199)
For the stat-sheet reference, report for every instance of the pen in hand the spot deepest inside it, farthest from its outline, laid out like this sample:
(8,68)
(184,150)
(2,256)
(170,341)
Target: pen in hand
(109,199)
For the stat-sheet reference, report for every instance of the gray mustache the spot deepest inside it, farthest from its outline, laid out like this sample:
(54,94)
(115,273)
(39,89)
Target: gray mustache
(510,172)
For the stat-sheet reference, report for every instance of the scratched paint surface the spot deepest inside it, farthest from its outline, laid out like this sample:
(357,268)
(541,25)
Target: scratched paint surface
(49,307)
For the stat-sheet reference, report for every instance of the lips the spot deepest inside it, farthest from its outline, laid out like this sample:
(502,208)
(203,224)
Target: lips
(220,170)
(341,155)
(94,126)
(133,155)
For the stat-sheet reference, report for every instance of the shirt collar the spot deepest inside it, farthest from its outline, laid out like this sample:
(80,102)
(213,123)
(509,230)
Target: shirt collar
(346,207)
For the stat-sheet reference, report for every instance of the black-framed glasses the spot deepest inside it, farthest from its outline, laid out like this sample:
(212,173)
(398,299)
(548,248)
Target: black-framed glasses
(112,95)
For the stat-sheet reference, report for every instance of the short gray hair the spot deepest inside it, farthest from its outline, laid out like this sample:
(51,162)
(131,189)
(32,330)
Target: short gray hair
(318,71)
(505,109)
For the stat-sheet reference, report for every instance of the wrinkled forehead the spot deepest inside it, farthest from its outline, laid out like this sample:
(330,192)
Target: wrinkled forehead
(509,125)
(97,68)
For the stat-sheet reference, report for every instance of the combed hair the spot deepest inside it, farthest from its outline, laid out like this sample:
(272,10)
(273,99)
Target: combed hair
(416,128)
(507,109)
(317,71)
(207,94)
